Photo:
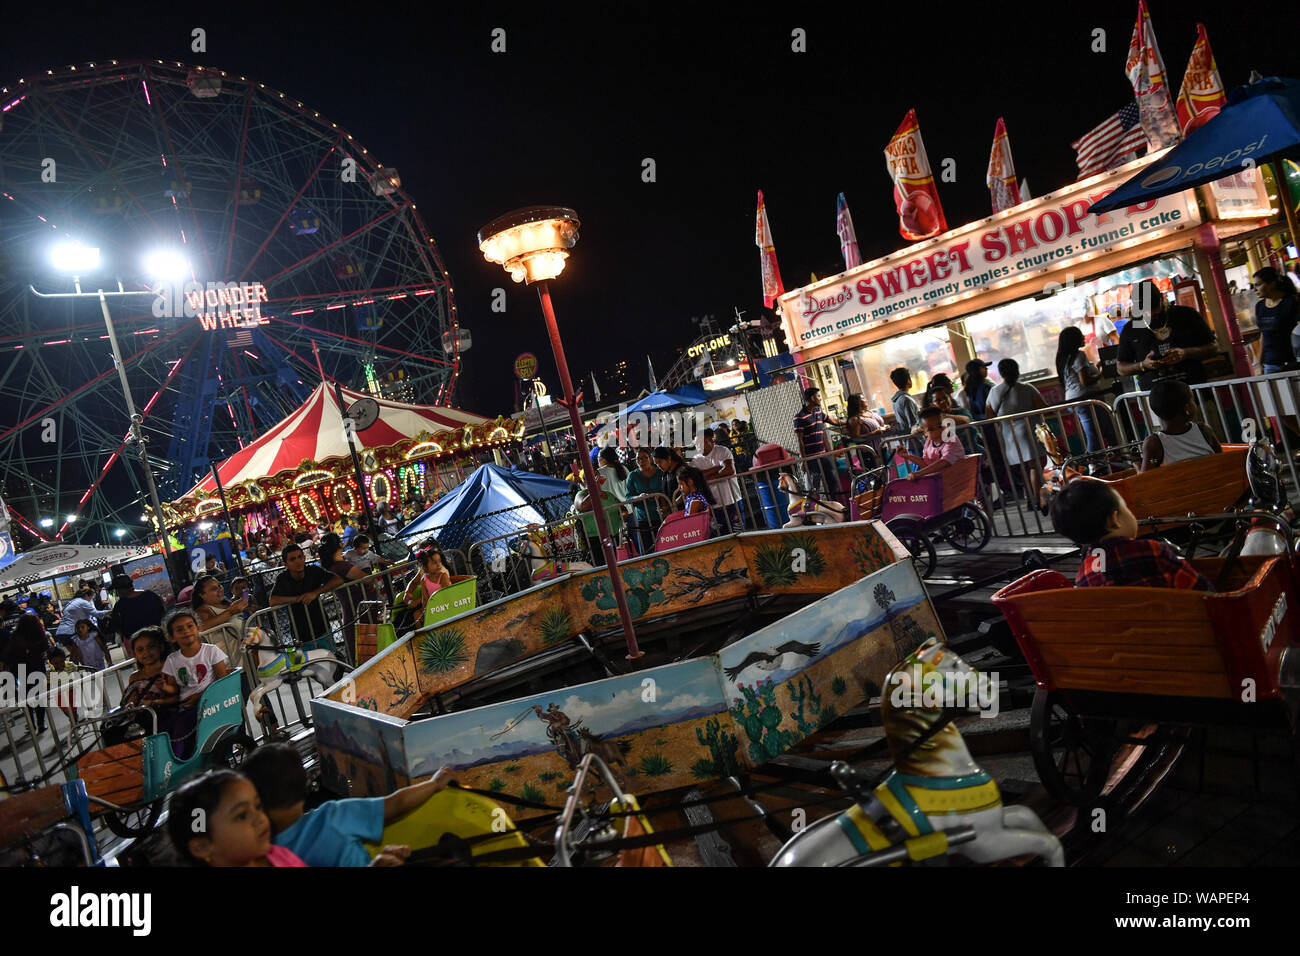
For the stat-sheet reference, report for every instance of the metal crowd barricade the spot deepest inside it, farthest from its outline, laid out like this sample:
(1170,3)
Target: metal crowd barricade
(24,763)
(758,507)
(343,610)
(1271,401)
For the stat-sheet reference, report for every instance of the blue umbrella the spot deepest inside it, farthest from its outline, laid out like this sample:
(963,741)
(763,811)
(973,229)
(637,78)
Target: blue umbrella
(492,501)
(1260,120)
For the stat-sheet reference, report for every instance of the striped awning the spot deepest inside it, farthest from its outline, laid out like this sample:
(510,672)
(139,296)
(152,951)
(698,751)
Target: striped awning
(315,433)
(56,560)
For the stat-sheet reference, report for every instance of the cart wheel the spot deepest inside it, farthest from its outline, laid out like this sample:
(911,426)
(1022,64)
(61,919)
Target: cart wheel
(1071,754)
(233,749)
(970,530)
(913,537)
(136,821)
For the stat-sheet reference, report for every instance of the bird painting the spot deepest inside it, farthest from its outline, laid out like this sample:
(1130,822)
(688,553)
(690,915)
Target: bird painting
(772,660)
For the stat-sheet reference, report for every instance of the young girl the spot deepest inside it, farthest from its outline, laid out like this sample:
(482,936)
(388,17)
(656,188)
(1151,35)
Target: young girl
(88,648)
(192,668)
(696,498)
(937,453)
(218,820)
(433,576)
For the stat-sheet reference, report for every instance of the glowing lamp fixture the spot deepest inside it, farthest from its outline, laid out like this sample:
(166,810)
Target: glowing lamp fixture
(165,264)
(47,522)
(70,519)
(74,258)
(531,244)
(119,532)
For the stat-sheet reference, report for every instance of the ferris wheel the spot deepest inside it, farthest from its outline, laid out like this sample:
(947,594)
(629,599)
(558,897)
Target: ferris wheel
(257,192)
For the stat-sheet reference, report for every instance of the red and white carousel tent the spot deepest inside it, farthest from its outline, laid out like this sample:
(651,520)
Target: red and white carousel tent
(310,447)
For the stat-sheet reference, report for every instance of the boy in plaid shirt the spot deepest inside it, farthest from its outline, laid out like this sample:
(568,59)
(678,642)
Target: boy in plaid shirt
(1091,514)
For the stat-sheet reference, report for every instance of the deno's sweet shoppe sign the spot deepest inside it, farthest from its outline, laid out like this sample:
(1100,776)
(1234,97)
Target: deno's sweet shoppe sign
(1024,241)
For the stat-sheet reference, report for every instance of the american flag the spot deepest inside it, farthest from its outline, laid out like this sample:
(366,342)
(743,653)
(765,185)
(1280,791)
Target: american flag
(1111,143)
(241,337)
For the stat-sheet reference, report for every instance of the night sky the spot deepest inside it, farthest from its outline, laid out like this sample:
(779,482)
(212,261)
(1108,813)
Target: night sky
(720,103)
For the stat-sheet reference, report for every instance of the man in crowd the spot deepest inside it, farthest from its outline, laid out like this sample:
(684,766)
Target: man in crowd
(134,609)
(1164,341)
(907,414)
(810,431)
(716,462)
(300,584)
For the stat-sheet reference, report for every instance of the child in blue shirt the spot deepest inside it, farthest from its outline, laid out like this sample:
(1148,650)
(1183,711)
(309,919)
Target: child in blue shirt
(335,832)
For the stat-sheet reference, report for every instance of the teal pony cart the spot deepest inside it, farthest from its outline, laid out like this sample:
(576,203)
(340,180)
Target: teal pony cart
(131,780)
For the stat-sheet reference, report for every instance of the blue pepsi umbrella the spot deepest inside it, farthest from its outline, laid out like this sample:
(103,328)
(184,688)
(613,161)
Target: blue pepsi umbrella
(1260,120)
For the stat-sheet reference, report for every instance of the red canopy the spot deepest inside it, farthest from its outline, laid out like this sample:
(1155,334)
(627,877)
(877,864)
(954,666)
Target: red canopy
(315,433)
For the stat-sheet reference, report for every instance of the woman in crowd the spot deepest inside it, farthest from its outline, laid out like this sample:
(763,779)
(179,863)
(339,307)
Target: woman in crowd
(614,473)
(864,427)
(1277,314)
(332,560)
(646,479)
(220,621)
(1079,377)
(671,464)
(1011,397)
(24,655)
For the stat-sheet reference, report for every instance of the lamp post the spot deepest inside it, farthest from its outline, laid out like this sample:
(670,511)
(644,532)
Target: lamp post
(77,259)
(531,244)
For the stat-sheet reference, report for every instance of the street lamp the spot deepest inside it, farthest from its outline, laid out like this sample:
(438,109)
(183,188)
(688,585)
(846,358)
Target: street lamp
(531,244)
(47,522)
(78,259)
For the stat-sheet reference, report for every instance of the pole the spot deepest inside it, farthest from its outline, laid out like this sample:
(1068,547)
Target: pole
(546,432)
(230,524)
(137,435)
(1207,242)
(361,486)
(634,653)
(1284,197)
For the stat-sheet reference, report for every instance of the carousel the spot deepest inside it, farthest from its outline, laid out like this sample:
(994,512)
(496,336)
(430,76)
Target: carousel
(302,470)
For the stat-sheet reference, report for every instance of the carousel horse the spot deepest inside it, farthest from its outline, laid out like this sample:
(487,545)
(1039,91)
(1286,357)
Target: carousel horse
(808,507)
(274,668)
(543,566)
(935,786)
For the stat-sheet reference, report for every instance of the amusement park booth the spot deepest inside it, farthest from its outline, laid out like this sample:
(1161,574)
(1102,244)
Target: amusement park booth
(1006,285)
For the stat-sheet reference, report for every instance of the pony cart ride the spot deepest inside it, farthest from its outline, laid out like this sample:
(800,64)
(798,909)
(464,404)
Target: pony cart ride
(1111,660)
(939,506)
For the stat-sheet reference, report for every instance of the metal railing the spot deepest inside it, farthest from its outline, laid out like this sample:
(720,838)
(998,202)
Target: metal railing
(1272,402)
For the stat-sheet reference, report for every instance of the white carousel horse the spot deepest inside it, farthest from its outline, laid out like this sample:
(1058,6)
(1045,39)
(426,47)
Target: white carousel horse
(541,565)
(936,784)
(808,508)
(274,666)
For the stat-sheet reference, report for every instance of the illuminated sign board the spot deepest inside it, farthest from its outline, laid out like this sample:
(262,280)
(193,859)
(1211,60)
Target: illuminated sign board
(712,345)
(227,305)
(1015,245)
